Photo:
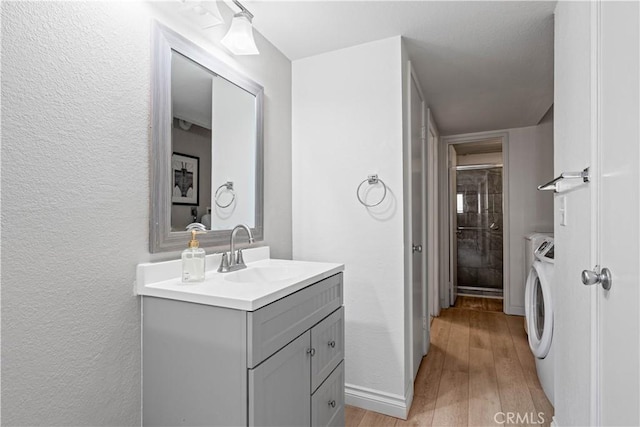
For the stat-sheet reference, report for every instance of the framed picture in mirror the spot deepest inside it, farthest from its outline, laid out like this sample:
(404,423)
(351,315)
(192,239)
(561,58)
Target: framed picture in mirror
(185,171)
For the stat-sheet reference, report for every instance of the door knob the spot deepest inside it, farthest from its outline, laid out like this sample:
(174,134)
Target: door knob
(590,277)
(416,248)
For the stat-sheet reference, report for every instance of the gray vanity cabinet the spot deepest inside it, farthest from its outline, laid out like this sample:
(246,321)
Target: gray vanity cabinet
(327,342)
(327,402)
(279,387)
(280,365)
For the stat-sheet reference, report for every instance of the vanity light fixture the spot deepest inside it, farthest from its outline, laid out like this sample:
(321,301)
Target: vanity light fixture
(207,13)
(239,39)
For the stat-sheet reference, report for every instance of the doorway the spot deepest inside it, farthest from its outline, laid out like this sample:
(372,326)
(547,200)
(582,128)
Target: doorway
(475,218)
(478,230)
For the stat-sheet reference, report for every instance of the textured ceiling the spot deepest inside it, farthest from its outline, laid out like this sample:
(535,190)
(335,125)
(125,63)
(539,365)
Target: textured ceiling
(482,65)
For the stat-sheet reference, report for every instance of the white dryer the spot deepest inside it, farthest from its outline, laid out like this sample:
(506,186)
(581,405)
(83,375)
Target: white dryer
(539,311)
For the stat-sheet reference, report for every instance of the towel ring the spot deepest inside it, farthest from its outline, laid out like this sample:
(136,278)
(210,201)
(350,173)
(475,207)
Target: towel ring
(229,187)
(372,180)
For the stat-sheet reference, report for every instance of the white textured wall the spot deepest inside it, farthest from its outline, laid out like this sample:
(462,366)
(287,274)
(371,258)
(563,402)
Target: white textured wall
(347,124)
(572,322)
(75,167)
(530,164)
(75,95)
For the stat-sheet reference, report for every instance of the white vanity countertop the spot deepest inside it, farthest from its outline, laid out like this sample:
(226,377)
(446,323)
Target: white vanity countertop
(264,281)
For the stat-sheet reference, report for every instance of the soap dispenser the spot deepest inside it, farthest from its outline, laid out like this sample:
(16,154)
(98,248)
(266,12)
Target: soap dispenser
(193,266)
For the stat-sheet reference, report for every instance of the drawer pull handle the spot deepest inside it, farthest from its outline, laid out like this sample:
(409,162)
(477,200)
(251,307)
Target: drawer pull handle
(311,351)
(332,344)
(332,403)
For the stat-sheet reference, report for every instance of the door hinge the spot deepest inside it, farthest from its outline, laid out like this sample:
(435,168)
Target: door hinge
(424,322)
(423,132)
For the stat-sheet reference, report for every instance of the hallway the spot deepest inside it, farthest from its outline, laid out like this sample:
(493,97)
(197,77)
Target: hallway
(479,365)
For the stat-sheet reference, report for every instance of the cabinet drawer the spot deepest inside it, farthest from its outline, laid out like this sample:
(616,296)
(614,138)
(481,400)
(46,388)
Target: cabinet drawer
(327,403)
(273,326)
(327,339)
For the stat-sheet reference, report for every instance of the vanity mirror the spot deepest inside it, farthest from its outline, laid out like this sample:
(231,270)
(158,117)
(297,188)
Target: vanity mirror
(206,148)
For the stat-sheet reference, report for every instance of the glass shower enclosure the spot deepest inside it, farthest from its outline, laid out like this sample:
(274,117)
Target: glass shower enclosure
(478,230)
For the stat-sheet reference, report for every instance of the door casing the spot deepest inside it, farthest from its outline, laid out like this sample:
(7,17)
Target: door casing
(446,212)
(433,232)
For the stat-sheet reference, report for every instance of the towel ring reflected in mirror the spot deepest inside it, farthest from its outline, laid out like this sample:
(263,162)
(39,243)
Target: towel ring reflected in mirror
(219,192)
(372,180)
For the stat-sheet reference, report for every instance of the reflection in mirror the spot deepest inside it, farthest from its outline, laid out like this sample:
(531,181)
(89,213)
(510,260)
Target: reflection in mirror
(234,156)
(214,122)
(190,138)
(207,136)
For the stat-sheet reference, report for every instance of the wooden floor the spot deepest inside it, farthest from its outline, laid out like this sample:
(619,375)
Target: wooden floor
(479,364)
(475,303)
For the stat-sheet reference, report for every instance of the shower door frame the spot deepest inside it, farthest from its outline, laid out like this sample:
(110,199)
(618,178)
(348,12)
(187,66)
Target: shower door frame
(454,227)
(446,211)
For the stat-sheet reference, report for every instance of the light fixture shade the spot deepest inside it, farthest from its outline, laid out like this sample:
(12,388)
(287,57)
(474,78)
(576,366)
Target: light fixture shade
(205,14)
(211,8)
(239,38)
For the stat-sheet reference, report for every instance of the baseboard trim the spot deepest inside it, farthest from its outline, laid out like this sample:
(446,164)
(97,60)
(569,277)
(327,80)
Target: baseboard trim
(515,310)
(390,404)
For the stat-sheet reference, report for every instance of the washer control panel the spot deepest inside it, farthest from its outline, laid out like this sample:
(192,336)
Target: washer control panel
(545,252)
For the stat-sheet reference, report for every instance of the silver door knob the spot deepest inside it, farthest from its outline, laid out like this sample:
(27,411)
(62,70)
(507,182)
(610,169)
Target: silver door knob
(416,248)
(590,277)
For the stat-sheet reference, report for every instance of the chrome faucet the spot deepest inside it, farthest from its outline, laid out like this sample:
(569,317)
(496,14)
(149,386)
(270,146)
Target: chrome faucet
(235,260)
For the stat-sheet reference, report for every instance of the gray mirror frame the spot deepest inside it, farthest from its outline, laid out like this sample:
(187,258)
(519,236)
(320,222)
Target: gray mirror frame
(161,238)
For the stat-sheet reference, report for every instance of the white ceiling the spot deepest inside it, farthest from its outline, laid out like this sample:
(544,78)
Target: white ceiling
(482,65)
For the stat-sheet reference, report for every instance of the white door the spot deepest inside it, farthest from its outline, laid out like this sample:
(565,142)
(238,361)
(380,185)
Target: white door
(617,211)
(453,227)
(419,324)
(573,340)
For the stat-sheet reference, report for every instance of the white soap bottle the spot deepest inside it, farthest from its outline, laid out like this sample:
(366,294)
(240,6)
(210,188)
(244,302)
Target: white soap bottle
(193,258)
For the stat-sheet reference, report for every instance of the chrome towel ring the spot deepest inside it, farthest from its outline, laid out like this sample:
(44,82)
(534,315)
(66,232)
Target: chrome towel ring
(372,180)
(229,187)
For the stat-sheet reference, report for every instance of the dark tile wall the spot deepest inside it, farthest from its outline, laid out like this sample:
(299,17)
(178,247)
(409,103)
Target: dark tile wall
(480,247)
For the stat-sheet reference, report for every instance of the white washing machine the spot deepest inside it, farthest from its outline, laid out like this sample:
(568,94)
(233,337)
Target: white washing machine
(532,242)
(539,311)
